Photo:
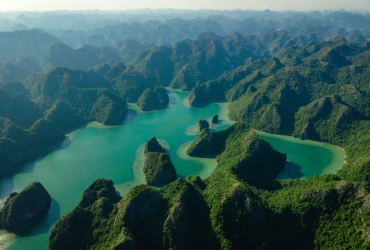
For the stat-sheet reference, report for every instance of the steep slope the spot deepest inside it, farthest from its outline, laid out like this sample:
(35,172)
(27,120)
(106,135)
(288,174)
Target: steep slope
(84,58)
(189,62)
(23,43)
(240,205)
(153,99)
(78,94)
(176,216)
(158,167)
(18,144)
(11,73)
(22,210)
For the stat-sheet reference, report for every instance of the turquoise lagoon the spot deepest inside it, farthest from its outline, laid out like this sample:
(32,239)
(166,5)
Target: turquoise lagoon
(96,151)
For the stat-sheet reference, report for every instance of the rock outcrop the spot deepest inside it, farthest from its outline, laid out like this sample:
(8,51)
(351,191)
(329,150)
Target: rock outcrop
(331,111)
(153,146)
(202,145)
(75,229)
(22,210)
(210,144)
(141,214)
(158,168)
(185,213)
(153,99)
(261,163)
(215,119)
(202,124)
(187,225)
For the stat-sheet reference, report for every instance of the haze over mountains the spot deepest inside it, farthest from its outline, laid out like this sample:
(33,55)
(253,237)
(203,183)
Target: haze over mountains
(303,74)
(41,5)
(106,59)
(37,32)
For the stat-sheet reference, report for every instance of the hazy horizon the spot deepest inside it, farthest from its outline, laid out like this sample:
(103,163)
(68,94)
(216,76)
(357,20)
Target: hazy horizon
(53,5)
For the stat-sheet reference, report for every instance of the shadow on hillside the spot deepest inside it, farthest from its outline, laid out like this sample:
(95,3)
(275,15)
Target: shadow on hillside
(130,117)
(292,171)
(44,224)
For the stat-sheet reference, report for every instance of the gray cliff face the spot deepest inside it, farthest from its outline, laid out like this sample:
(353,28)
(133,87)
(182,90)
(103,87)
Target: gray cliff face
(21,211)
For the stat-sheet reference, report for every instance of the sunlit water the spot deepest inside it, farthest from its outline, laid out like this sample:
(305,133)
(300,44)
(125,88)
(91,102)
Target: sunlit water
(117,153)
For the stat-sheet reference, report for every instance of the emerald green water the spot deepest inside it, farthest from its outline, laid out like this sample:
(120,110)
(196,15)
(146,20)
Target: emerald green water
(116,153)
(305,158)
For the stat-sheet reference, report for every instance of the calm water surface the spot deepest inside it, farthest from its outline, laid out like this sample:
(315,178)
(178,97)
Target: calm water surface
(305,158)
(117,153)
(109,152)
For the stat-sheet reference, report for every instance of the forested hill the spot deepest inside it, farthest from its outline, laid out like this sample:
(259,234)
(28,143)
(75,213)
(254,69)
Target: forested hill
(239,206)
(299,74)
(66,96)
(103,28)
(313,91)
(295,86)
(271,79)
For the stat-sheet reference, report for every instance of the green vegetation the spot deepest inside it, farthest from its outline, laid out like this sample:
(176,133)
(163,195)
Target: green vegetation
(158,168)
(208,144)
(17,144)
(70,98)
(303,81)
(78,96)
(188,63)
(21,211)
(153,145)
(84,58)
(313,91)
(32,119)
(11,73)
(152,99)
(88,221)
(26,42)
(240,205)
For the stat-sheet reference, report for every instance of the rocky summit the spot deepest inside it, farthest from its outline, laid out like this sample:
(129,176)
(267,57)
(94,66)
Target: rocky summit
(158,167)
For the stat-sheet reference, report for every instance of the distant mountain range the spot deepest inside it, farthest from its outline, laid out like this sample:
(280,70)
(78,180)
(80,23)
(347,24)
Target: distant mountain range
(304,74)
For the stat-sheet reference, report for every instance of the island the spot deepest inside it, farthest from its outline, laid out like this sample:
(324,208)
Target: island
(202,124)
(158,167)
(153,99)
(215,119)
(23,210)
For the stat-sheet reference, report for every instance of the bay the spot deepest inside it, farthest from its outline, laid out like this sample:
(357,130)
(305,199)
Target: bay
(116,153)
(305,158)
(97,151)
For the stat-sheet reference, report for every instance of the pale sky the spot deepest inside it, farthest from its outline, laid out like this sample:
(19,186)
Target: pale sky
(301,5)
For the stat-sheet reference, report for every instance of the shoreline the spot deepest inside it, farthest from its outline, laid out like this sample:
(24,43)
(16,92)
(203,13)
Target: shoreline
(313,143)
(331,165)
(138,177)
